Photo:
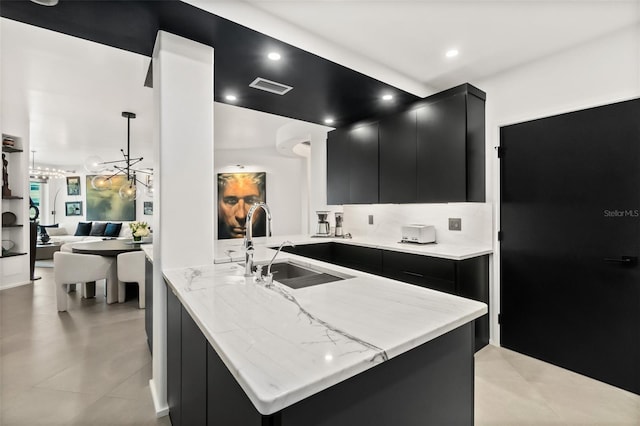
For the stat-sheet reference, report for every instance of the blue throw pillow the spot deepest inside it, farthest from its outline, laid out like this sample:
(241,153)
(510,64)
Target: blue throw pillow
(98,229)
(83,229)
(112,229)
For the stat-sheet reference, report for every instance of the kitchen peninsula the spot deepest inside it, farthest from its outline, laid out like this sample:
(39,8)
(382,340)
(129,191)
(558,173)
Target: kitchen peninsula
(362,350)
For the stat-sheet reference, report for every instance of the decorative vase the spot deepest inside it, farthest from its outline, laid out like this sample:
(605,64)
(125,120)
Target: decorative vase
(137,239)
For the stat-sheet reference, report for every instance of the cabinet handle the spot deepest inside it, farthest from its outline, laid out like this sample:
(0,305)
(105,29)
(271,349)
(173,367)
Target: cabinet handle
(413,274)
(626,260)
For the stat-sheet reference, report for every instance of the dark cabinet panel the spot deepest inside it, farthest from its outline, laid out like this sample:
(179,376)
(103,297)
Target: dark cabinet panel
(472,282)
(148,302)
(475,149)
(363,259)
(397,140)
(338,167)
(227,403)
(174,358)
(194,380)
(321,251)
(363,164)
(441,150)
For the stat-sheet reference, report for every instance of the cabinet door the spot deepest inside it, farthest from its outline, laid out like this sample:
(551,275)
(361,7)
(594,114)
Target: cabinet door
(148,302)
(363,259)
(397,139)
(193,408)
(174,360)
(338,167)
(363,164)
(472,282)
(441,151)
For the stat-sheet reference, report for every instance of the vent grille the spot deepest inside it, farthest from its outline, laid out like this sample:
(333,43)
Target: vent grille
(270,86)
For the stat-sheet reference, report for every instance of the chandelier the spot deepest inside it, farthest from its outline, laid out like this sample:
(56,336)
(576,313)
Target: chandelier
(44,173)
(104,178)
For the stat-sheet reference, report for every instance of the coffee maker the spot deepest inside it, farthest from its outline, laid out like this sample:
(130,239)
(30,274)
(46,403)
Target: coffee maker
(324,229)
(339,231)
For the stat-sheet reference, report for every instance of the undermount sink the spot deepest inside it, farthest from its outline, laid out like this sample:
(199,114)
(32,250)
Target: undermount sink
(295,275)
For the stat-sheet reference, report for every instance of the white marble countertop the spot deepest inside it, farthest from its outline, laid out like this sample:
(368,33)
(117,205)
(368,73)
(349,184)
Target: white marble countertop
(231,250)
(284,345)
(148,251)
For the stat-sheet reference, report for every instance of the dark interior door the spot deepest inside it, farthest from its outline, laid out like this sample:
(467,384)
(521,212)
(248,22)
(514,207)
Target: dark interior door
(570,286)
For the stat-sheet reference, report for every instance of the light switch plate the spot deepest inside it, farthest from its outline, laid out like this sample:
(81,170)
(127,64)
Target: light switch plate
(455,224)
(370,219)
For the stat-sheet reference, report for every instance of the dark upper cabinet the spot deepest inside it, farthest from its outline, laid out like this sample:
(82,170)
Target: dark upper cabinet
(450,149)
(338,167)
(363,164)
(397,140)
(432,152)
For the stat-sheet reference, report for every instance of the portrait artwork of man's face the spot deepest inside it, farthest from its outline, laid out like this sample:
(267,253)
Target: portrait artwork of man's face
(237,192)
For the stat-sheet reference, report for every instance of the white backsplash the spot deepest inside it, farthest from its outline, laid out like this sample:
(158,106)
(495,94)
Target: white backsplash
(389,218)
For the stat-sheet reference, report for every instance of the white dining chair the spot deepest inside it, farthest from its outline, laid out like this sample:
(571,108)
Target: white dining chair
(131,270)
(72,268)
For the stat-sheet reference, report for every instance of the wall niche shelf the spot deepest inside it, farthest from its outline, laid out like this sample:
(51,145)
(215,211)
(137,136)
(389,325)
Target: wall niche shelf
(12,254)
(10,149)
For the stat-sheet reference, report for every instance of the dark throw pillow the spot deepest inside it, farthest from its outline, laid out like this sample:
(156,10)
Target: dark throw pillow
(83,229)
(98,229)
(112,229)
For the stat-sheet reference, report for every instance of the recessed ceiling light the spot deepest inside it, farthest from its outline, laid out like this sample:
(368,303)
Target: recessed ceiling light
(387,97)
(274,56)
(328,120)
(46,2)
(231,97)
(452,53)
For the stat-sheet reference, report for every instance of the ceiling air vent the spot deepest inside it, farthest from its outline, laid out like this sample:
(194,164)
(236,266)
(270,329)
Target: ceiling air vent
(270,86)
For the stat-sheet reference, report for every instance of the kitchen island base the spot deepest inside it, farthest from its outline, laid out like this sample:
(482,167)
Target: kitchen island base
(431,384)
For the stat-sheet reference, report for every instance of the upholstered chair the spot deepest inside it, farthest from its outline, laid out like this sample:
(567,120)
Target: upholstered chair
(71,268)
(131,270)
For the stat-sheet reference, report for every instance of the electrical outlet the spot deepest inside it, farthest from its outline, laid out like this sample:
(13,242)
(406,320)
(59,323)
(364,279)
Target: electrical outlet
(370,219)
(455,224)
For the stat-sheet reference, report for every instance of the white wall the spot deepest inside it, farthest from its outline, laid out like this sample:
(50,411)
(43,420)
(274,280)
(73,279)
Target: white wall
(286,183)
(604,71)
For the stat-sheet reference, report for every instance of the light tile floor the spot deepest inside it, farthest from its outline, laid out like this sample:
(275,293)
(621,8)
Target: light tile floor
(91,366)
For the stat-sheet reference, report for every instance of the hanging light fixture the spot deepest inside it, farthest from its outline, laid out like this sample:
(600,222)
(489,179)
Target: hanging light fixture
(44,173)
(102,180)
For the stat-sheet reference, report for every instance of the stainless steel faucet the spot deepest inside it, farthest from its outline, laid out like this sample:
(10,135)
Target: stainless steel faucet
(248,236)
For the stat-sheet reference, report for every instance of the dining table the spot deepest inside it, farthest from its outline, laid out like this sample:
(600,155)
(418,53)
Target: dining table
(108,248)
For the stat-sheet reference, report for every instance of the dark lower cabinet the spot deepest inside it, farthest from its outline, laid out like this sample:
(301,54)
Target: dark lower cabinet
(174,358)
(321,251)
(194,377)
(148,301)
(467,278)
(430,384)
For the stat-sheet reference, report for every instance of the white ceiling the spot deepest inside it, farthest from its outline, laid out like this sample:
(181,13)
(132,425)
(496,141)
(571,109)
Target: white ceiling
(72,91)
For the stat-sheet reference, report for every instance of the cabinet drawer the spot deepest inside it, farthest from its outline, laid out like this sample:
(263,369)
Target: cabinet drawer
(360,258)
(428,267)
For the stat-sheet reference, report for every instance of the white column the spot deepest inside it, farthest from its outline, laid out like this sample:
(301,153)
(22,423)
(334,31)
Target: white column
(183,174)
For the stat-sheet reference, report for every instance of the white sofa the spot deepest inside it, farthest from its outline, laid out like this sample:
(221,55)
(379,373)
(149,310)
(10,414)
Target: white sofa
(64,234)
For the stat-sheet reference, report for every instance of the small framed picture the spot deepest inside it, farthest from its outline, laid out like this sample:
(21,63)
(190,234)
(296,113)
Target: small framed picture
(73,185)
(148,207)
(73,208)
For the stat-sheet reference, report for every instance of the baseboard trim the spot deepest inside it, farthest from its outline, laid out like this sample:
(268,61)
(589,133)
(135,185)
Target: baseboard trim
(162,409)
(18,284)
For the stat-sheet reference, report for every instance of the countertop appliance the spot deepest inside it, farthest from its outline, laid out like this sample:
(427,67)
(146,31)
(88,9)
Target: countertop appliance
(419,234)
(339,217)
(324,228)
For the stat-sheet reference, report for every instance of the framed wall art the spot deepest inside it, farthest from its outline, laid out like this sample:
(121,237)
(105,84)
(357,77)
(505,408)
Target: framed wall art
(148,207)
(73,208)
(73,185)
(106,204)
(237,192)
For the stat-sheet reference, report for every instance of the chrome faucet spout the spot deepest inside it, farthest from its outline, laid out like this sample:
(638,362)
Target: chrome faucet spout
(287,243)
(248,236)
